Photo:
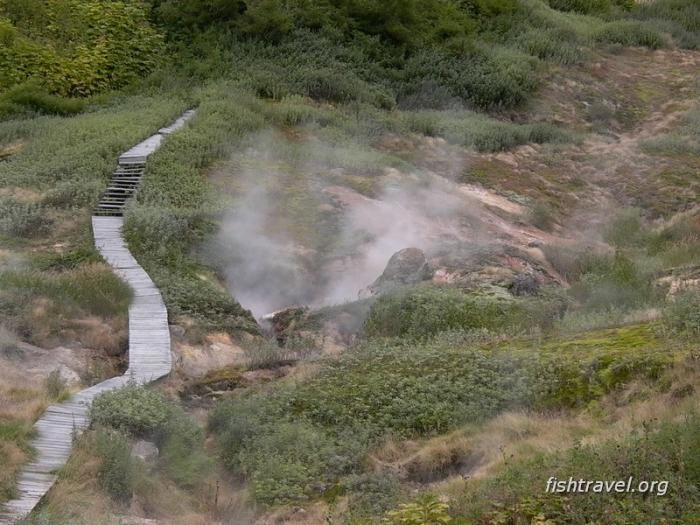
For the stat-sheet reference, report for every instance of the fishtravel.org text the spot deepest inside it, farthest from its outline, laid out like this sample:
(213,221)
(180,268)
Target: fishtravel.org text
(572,486)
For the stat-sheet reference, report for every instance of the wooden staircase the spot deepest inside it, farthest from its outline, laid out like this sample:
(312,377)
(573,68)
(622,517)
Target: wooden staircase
(122,187)
(125,180)
(149,335)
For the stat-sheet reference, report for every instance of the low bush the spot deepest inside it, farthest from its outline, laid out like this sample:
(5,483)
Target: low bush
(626,229)
(268,354)
(33,98)
(670,145)
(422,312)
(677,244)
(117,472)
(408,389)
(132,409)
(372,494)
(74,194)
(182,454)
(542,216)
(55,385)
(553,45)
(683,141)
(683,313)
(630,33)
(590,6)
(483,78)
(83,254)
(135,411)
(617,281)
(20,219)
(664,452)
(480,132)
(425,510)
(680,18)
(189,295)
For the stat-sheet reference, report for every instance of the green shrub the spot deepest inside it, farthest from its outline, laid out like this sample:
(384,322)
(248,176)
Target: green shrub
(664,452)
(483,133)
(286,461)
(268,354)
(188,294)
(625,229)
(182,454)
(608,282)
(284,465)
(493,78)
(425,311)
(56,388)
(20,219)
(32,97)
(680,18)
(133,409)
(117,472)
(553,45)
(584,6)
(139,412)
(541,215)
(629,33)
(372,493)
(407,389)
(677,244)
(683,313)
(425,510)
(79,47)
(74,194)
(68,260)
(682,142)
(158,231)
(403,24)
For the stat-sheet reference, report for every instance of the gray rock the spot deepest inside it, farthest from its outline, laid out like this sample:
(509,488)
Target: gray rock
(524,284)
(144,450)
(407,266)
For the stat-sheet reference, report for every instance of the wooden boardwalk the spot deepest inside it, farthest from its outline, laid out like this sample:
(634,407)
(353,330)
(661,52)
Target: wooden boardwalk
(149,358)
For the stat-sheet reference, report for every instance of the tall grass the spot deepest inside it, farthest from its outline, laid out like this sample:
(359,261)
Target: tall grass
(478,131)
(680,18)
(70,159)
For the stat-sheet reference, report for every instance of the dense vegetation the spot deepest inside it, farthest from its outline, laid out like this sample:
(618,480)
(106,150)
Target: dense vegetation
(82,80)
(73,48)
(654,452)
(485,53)
(286,439)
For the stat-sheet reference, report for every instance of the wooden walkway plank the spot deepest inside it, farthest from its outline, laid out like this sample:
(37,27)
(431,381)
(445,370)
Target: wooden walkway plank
(149,351)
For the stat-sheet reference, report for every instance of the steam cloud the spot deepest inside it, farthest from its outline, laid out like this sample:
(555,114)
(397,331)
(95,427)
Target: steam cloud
(266,270)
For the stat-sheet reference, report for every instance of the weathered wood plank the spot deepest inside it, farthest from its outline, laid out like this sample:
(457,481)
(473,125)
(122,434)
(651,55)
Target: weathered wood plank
(149,353)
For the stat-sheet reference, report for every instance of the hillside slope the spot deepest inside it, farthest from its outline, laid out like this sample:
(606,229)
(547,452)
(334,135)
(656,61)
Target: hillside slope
(418,258)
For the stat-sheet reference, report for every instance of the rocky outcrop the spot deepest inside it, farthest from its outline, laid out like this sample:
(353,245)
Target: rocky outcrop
(405,267)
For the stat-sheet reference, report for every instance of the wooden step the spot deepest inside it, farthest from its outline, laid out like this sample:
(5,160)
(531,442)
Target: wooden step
(149,336)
